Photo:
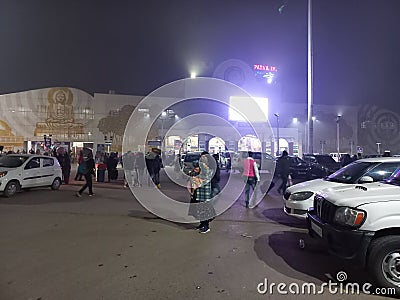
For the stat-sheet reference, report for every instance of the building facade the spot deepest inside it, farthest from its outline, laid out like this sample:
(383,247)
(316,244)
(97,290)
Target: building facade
(60,116)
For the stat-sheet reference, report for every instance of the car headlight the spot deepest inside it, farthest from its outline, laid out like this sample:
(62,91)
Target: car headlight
(349,216)
(300,196)
(2,174)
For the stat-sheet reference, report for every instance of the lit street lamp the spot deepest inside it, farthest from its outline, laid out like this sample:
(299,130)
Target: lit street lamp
(163,115)
(277,133)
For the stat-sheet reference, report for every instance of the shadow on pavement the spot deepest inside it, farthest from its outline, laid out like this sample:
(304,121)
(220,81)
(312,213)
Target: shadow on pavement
(281,252)
(145,215)
(34,196)
(279,216)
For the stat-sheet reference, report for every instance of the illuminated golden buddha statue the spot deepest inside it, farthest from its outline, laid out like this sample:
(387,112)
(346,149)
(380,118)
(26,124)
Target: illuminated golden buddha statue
(60,115)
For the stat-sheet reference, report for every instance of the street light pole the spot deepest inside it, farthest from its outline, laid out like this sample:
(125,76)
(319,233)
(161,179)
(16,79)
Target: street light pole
(337,134)
(277,133)
(163,115)
(322,146)
(379,149)
(310,131)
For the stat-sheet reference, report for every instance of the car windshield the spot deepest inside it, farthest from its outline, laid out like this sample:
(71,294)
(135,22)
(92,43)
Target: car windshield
(12,161)
(257,155)
(325,160)
(294,160)
(394,179)
(350,173)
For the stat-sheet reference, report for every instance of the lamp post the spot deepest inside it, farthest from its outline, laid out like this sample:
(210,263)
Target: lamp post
(277,133)
(162,118)
(337,134)
(322,146)
(310,131)
(351,147)
(379,149)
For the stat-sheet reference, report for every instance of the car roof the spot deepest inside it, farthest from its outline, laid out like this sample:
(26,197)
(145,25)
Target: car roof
(379,159)
(19,155)
(29,155)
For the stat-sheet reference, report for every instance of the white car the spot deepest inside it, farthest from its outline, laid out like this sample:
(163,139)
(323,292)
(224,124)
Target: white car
(265,161)
(300,197)
(19,171)
(361,223)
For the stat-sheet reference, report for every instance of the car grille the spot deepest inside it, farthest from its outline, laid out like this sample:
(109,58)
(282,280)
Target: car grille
(324,209)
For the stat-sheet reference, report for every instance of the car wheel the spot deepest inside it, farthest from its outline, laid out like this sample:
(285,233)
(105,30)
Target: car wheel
(56,184)
(11,189)
(384,262)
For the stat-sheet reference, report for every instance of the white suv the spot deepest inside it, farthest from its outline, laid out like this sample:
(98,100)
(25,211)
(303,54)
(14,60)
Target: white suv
(299,197)
(27,171)
(361,223)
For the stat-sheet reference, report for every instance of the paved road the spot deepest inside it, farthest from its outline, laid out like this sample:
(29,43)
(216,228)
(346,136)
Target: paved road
(54,245)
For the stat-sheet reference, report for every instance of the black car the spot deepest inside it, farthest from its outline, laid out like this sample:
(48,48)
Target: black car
(191,159)
(298,167)
(321,165)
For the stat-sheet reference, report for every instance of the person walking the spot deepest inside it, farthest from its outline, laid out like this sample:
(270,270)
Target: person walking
(112,163)
(65,163)
(283,171)
(88,171)
(154,164)
(139,167)
(250,175)
(128,162)
(79,174)
(345,160)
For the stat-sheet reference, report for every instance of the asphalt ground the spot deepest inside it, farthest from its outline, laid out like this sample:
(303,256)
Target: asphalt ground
(54,245)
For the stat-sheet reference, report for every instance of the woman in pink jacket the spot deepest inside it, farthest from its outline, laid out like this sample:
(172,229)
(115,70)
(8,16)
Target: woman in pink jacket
(250,175)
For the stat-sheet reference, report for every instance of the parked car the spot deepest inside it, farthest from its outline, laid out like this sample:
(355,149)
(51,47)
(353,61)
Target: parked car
(20,171)
(264,161)
(337,157)
(361,223)
(322,165)
(299,168)
(371,155)
(188,161)
(299,198)
(225,159)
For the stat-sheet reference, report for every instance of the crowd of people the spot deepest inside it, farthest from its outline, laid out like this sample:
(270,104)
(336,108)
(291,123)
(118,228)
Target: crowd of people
(144,168)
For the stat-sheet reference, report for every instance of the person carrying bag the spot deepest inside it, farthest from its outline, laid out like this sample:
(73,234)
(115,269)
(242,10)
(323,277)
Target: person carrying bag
(200,188)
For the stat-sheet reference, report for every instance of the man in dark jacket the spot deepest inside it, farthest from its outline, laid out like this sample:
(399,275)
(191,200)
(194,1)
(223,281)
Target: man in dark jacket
(283,171)
(112,163)
(65,163)
(154,164)
(88,167)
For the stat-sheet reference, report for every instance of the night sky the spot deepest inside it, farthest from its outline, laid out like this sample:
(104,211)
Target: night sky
(134,47)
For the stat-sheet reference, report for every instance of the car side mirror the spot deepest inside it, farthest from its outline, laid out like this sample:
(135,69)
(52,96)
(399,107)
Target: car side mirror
(366,179)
